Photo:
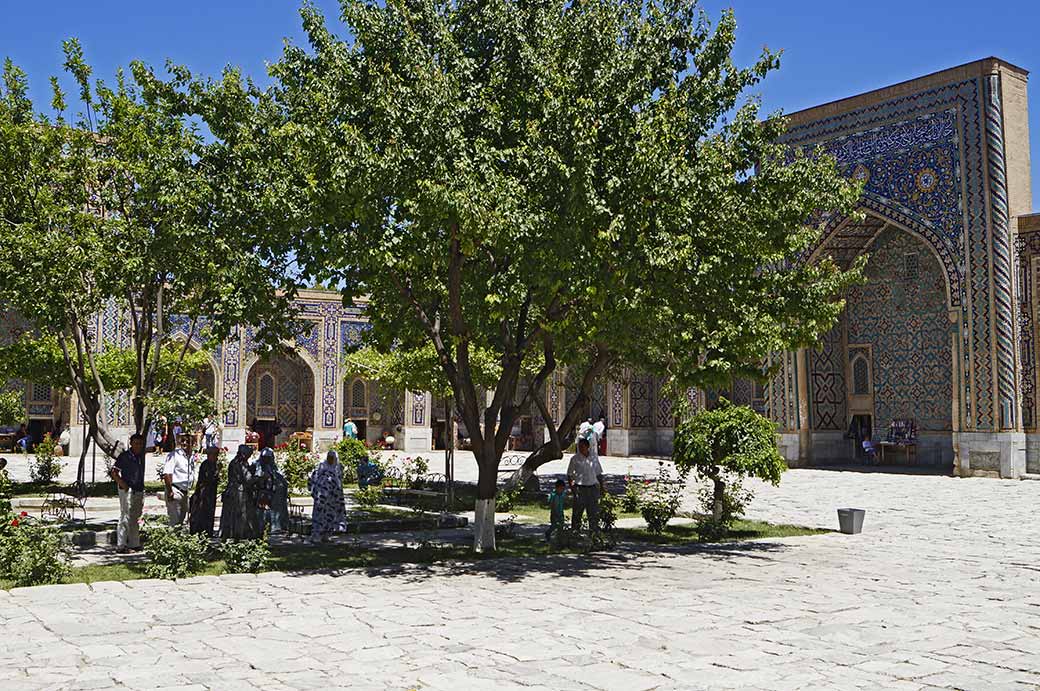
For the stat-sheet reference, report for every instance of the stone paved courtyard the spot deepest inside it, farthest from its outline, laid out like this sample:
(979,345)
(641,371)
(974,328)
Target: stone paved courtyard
(941,591)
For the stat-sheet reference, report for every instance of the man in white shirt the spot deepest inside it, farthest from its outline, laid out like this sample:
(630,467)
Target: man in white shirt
(586,477)
(209,431)
(178,474)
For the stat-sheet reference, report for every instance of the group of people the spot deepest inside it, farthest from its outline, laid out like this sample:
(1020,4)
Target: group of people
(255,499)
(23,439)
(585,479)
(166,435)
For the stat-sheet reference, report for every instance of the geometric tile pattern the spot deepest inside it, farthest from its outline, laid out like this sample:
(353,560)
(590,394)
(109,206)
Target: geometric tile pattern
(903,316)
(931,161)
(827,383)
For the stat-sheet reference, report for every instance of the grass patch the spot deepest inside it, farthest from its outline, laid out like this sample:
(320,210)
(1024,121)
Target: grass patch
(343,556)
(741,530)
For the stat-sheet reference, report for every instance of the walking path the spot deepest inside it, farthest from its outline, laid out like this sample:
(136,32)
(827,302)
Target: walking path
(940,591)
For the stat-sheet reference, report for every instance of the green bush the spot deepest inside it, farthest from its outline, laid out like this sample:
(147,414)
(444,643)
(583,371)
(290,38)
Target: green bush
(32,552)
(734,502)
(46,467)
(660,500)
(369,496)
(632,499)
(508,498)
(5,494)
(351,453)
(413,469)
(246,556)
(297,465)
(174,553)
(725,445)
(608,511)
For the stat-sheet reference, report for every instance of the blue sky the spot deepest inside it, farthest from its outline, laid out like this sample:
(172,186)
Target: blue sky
(831,48)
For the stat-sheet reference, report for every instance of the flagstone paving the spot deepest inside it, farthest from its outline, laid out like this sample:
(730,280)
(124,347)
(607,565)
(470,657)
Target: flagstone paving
(940,591)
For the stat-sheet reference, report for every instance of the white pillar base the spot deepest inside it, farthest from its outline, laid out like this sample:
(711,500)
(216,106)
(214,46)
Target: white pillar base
(990,454)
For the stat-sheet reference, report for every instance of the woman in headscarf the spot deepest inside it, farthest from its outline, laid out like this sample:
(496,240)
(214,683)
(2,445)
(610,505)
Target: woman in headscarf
(203,506)
(326,487)
(238,518)
(272,493)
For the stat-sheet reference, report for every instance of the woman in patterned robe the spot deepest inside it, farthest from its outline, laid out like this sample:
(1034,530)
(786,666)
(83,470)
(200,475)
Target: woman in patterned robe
(203,505)
(238,516)
(326,487)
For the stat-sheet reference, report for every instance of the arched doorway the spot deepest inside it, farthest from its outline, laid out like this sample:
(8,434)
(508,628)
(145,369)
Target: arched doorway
(280,398)
(887,366)
(356,401)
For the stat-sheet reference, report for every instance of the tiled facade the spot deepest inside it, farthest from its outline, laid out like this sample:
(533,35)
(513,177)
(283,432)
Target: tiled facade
(943,330)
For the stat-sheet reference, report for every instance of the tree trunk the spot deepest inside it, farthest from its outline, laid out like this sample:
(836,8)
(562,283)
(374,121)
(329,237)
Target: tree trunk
(484,515)
(719,498)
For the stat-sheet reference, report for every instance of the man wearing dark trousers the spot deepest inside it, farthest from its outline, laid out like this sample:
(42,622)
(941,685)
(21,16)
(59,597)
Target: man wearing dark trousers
(586,476)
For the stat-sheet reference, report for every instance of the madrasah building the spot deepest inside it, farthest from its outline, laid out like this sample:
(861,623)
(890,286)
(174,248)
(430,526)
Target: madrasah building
(936,351)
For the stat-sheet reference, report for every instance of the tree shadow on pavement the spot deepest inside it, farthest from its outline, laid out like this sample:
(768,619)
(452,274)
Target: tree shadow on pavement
(597,564)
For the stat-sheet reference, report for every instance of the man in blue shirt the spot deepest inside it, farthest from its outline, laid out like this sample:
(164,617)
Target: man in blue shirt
(349,429)
(128,472)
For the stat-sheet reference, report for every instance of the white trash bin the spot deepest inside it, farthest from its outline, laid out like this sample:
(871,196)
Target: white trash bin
(850,521)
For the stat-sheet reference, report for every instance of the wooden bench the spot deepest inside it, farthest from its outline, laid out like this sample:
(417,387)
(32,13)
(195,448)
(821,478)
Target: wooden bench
(63,504)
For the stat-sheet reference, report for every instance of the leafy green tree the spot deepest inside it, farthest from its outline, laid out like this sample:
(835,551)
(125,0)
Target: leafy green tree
(581,183)
(124,204)
(12,408)
(725,445)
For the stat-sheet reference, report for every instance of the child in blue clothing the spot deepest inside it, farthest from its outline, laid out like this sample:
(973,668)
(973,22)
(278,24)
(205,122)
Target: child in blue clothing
(556,500)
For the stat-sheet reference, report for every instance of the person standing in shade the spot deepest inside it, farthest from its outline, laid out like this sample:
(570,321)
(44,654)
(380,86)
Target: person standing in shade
(349,429)
(179,475)
(204,500)
(272,493)
(586,476)
(128,473)
(557,505)
(238,514)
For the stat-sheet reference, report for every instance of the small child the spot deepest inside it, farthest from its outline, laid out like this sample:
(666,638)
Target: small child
(556,500)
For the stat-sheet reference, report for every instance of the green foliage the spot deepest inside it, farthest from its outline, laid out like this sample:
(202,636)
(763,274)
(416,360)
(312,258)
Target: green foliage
(732,439)
(632,499)
(351,452)
(415,369)
(297,464)
(12,407)
(182,401)
(121,200)
(32,552)
(246,556)
(369,497)
(46,466)
(609,506)
(735,498)
(589,184)
(6,489)
(413,468)
(725,445)
(507,498)
(660,499)
(174,552)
